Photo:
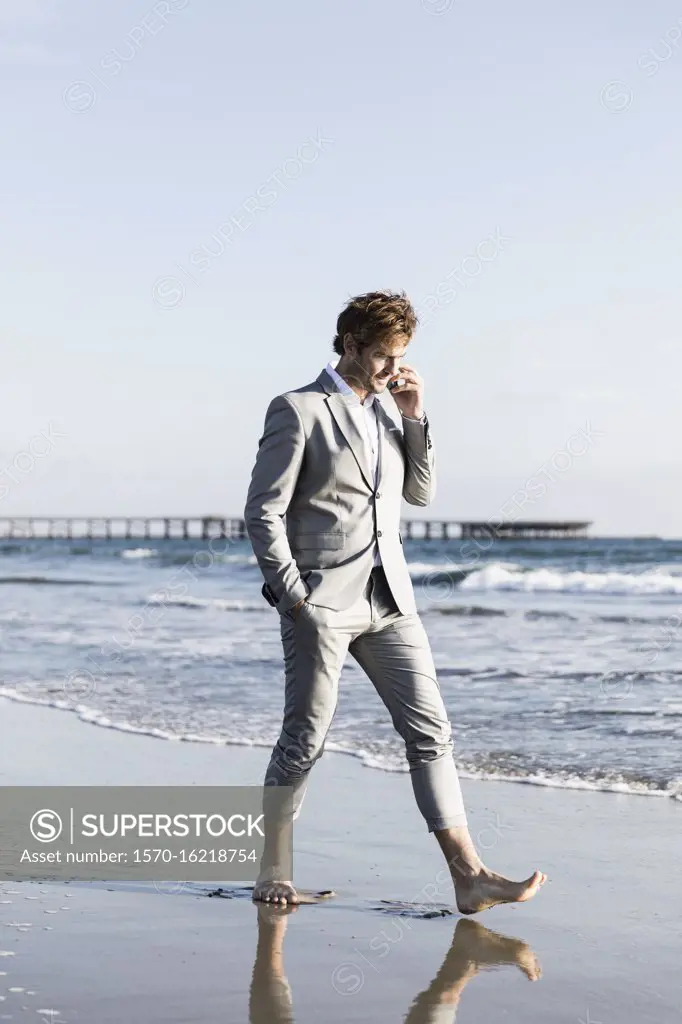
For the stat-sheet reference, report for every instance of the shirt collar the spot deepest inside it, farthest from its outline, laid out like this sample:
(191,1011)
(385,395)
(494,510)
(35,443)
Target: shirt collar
(346,389)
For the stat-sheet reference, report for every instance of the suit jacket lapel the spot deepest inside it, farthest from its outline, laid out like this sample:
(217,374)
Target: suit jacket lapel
(384,423)
(340,410)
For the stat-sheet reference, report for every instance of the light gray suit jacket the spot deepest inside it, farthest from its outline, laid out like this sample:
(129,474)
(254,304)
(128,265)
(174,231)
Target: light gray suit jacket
(312,513)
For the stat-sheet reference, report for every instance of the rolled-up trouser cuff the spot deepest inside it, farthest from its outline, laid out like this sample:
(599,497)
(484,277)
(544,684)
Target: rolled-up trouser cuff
(457,821)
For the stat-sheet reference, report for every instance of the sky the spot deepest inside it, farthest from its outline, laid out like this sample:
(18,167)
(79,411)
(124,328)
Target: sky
(192,190)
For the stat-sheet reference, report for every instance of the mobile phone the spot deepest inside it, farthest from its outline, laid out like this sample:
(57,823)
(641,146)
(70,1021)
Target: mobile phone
(394,383)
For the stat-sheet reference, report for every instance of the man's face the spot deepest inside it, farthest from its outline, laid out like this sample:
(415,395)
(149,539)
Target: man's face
(381,360)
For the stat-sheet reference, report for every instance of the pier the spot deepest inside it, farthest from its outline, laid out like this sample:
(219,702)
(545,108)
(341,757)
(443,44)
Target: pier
(121,527)
(525,529)
(208,527)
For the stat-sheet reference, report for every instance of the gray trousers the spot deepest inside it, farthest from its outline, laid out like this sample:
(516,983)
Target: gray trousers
(394,651)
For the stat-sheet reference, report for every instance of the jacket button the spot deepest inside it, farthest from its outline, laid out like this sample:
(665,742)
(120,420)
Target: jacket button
(377,495)
(378,533)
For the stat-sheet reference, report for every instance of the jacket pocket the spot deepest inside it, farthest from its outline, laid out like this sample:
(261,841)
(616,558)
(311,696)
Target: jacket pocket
(319,541)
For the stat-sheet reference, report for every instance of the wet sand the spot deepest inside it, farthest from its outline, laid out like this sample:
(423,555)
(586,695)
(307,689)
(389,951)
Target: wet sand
(602,938)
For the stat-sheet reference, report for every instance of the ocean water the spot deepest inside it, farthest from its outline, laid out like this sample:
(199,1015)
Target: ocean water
(559,661)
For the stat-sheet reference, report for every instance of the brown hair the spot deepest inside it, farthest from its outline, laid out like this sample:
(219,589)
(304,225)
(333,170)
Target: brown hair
(375,316)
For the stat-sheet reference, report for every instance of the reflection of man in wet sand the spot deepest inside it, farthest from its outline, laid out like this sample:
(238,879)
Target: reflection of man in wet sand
(473,949)
(336,466)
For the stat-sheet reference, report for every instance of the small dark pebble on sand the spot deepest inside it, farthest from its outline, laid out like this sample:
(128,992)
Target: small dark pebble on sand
(220,892)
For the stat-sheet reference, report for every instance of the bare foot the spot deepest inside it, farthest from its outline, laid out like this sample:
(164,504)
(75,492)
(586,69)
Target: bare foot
(485,889)
(275,892)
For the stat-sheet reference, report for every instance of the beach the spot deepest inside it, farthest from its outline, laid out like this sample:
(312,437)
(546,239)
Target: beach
(601,939)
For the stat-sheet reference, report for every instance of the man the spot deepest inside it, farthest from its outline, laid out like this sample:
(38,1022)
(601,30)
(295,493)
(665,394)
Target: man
(323,515)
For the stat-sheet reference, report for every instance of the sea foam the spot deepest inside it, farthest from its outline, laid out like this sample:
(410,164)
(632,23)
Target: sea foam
(498,577)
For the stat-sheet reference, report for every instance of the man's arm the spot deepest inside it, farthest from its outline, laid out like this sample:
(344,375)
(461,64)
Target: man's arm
(419,485)
(274,476)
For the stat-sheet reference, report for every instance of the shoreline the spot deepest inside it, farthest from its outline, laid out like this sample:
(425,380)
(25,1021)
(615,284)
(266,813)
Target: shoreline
(572,784)
(69,752)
